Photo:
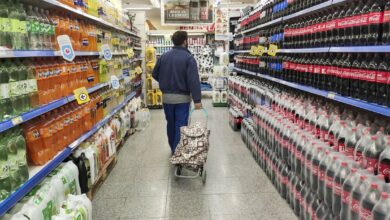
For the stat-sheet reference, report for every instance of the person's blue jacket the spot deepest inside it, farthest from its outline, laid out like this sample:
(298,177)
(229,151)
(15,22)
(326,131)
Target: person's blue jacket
(177,73)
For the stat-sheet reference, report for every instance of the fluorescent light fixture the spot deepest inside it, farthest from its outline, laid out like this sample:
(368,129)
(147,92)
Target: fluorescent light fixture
(155,3)
(138,9)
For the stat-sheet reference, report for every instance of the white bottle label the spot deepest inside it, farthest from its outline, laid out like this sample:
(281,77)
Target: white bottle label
(4,91)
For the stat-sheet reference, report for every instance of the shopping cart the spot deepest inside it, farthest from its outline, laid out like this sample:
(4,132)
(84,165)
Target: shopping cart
(191,153)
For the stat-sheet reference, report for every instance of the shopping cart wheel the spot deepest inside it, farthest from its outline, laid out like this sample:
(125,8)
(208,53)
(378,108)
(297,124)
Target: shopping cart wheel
(204,176)
(177,172)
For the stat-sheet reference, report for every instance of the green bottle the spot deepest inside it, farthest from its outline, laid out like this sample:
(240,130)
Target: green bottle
(5,183)
(5,26)
(14,16)
(32,86)
(12,150)
(5,101)
(20,143)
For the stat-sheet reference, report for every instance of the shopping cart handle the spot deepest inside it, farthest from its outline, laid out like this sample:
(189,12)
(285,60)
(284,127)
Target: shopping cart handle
(203,110)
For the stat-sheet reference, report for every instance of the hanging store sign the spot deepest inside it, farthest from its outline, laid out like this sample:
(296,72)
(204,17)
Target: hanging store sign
(186,12)
(66,48)
(221,24)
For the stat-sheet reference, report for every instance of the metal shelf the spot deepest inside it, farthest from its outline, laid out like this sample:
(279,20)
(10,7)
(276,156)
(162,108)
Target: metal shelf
(42,171)
(372,107)
(241,51)
(361,49)
(54,3)
(10,123)
(305,50)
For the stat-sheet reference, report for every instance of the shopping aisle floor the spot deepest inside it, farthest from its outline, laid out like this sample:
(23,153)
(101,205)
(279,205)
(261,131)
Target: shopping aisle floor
(141,186)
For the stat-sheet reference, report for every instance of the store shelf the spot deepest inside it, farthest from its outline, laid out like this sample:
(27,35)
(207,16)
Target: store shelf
(102,122)
(241,51)
(382,110)
(7,124)
(34,180)
(361,49)
(54,3)
(39,173)
(295,15)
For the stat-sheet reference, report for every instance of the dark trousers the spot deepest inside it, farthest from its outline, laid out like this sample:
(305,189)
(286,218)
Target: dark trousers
(176,116)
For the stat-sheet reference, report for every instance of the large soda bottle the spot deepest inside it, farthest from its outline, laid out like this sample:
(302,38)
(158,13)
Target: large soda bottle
(324,164)
(386,24)
(341,30)
(372,153)
(355,73)
(359,190)
(33,29)
(329,179)
(297,200)
(375,20)
(17,16)
(339,179)
(5,183)
(361,145)
(5,33)
(348,29)
(382,85)
(370,199)
(350,142)
(384,162)
(371,78)
(46,28)
(323,212)
(6,110)
(381,209)
(347,188)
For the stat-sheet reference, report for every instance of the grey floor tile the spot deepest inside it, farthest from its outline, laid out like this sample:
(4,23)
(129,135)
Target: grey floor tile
(231,204)
(153,173)
(107,208)
(234,217)
(204,217)
(144,207)
(187,205)
(151,187)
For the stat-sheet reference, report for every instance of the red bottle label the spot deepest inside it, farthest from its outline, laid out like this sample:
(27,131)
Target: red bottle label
(355,205)
(329,181)
(365,214)
(349,150)
(337,188)
(383,77)
(322,174)
(386,16)
(370,162)
(314,170)
(375,18)
(345,197)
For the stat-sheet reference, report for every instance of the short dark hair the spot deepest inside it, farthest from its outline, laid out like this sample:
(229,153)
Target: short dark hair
(179,37)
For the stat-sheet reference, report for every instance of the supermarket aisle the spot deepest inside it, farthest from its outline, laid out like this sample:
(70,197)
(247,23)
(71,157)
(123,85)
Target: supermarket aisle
(141,186)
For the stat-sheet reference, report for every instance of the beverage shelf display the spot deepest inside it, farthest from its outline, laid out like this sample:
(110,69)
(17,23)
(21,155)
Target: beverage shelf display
(88,16)
(382,110)
(43,171)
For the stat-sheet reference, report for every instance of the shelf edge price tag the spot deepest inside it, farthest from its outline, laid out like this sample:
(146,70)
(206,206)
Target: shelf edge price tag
(272,50)
(66,48)
(261,50)
(253,50)
(106,51)
(17,120)
(115,84)
(81,95)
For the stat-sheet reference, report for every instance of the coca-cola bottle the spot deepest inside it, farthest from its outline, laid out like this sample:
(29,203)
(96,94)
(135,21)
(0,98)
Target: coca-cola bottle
(383,81)
(346,40)
(315,163)
(363,82)
(323,212)
(381,209)
(334,31)
(329,179)
(369,200)
(386,24)
(372,73)
(311,214)
(364,27)
(345,76)
(361,145)
(341,175)
(384,162)
(356,28)
(324,164)
(347,188)
(358,192)
(341,30)
(350,141)
(375,20)
(372,153)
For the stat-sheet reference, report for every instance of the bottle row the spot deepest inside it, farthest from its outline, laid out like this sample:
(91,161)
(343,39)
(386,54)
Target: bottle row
(361,76)
(271,10)
(29,83)
(33,28)
(310,149)
(362,23)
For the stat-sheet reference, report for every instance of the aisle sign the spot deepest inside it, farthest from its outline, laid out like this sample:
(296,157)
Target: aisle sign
(106,52)
(115,82)
(81,95)
(130,52)
(272,50)
(66,48)
(261,50)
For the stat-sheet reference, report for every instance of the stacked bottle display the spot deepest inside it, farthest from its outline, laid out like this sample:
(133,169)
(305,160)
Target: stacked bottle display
(263,37)
(328,162)
(271,10)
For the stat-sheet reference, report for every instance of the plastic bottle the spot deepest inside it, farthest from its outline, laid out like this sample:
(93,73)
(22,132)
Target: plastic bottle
(324,164)
(382,87)
(375,20)
(317,158)
(384,162)
(359,190)
(369,200)
(381,209)
(341,175)
(372,153)
(329,180)
(5,33)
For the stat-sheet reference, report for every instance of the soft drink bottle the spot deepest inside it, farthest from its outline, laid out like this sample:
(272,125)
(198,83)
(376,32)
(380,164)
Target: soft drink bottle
(375,20)
(350,141)
(357,13)
(341,30)
(329,179)
(364,27)
(359,190)
(347,188)
(363,81)
(317,158)
(355,79)
(323,212)
(372,153)
(381,209)
(346,40)
(339,179)
(384,162)
(324,164)
(297,197)
(382,85)
(361,145)
(369,200)
(386,24)
(371,78)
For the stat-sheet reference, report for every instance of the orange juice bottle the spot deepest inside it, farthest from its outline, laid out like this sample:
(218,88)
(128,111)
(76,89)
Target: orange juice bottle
(41,82)
(33,139)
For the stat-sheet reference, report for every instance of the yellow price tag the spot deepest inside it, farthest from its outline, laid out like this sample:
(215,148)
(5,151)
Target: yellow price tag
(138,70)
(253,50)
(81,95)
(130,52)
(261,50)
(272,50)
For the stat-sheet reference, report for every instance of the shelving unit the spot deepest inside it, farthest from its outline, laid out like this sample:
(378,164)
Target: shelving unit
(48,53)
(43,171)
(382,110)
(59,5)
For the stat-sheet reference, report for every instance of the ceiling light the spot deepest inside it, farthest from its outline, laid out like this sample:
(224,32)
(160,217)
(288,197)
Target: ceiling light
(138,9)
(155,3)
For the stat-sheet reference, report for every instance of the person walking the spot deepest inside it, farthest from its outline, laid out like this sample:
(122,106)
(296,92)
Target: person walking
(176,72)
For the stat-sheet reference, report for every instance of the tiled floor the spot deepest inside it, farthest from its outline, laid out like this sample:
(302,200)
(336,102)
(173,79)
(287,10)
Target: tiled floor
(142,186)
